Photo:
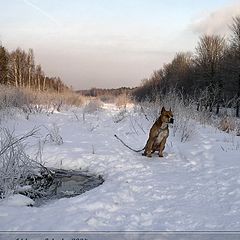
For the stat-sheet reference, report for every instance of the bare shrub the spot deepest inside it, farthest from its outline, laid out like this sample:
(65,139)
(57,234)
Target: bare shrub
(54,135)
(183,112)
(151,110)
(12,97)
(32,109)
(204,117)
(91,127)
(122,114)
(233,143)
(184,128)
(187,114)
(15,164)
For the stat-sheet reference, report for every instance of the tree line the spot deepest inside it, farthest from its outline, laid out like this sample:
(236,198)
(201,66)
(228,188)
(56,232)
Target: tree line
(210,75)
(97,92)
(18,68)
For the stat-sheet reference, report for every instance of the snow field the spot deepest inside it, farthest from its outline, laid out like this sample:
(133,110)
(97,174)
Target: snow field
(196,186)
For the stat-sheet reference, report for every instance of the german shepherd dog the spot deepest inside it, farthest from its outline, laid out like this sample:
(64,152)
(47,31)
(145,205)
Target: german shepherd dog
(158,134)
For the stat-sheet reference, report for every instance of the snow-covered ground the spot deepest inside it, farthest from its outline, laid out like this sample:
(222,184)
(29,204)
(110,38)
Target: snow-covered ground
(196,186)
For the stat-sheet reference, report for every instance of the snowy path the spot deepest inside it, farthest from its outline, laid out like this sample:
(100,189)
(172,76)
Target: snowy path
(196,186)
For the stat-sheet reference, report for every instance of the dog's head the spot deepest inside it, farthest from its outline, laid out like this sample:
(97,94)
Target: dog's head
(166,116)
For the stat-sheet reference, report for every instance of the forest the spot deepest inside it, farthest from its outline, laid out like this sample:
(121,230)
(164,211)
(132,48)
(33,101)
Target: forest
(18,68)
(210,75)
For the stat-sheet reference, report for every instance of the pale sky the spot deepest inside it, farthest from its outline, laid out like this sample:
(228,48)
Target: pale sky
(109,43)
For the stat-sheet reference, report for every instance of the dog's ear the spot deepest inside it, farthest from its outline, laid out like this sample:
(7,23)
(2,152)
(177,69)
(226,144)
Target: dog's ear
(163,109)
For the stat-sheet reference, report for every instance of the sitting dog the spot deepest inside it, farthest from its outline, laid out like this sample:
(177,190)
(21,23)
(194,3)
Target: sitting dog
(158,134)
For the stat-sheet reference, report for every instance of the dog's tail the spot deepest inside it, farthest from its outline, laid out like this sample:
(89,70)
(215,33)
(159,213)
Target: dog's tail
(127,145)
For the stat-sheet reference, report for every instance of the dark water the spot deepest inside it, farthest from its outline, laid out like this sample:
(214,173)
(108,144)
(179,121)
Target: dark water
(68,183)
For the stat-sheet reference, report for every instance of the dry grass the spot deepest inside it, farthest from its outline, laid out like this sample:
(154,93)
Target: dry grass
(227,124)
(230,124)
(48,98)
(35,101)
(122,100)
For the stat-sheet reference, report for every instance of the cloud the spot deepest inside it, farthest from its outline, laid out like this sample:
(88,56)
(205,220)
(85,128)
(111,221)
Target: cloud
(216,22)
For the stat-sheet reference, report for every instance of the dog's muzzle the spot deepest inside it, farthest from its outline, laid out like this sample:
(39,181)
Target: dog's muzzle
(171,120)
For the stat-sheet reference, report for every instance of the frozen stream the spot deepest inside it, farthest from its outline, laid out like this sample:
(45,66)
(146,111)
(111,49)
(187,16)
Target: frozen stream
(69,183)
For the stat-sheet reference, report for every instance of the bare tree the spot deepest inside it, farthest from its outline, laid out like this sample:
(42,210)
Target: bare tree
(3,66)
(209,55)
(31,66)
(235,46)
(38,77)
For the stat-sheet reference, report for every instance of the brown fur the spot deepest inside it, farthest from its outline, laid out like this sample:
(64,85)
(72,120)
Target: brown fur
(158,134)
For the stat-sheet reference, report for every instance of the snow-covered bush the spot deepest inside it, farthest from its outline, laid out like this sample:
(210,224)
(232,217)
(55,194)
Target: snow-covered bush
(183,128)
(187,115)
(183,112)
(237,128)
(15,164)
(12,97)
(204,117)
(53,135)
(32,109)
(122,114)
(233,142)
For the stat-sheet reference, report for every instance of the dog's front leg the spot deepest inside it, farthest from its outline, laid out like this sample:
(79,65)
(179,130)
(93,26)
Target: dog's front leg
(162,146)
(148,148)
